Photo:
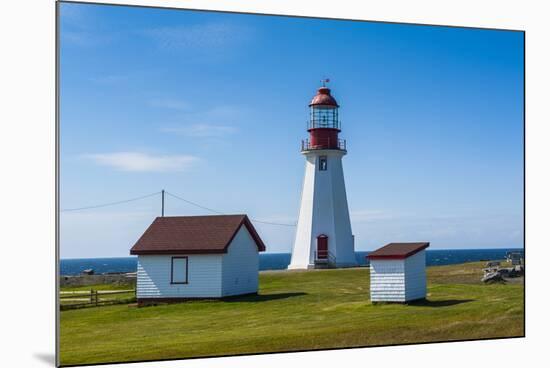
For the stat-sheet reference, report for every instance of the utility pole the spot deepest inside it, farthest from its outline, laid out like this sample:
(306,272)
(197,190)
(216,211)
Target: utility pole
(162,212)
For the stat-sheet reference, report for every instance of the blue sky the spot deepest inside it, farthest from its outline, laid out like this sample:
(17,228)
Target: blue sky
(212,107)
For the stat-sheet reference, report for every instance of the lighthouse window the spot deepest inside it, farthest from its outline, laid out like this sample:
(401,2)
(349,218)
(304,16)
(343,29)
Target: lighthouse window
(323,163)
(324,117)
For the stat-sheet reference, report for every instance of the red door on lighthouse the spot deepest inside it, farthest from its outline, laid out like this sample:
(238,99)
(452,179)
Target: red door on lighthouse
(322,246)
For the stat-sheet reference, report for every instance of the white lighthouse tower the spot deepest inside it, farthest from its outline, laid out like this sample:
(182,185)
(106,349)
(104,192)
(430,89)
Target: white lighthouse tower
(323,233)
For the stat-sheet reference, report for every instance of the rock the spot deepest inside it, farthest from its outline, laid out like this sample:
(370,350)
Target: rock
(516,271)
(492,277)
(492,264)
(517,261)
(511,272)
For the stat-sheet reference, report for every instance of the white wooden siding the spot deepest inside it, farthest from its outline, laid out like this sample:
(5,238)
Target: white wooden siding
(240,265)
(415,282)
(204,277)
(398,280)
(387,280)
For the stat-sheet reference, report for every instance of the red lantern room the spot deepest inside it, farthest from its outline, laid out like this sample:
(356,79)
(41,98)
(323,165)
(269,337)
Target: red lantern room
(323,125)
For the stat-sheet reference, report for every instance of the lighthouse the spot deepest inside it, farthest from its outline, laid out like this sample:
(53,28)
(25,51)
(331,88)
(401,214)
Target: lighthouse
(323,234)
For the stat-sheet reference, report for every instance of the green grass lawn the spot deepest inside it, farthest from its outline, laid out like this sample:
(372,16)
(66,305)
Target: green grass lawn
(296,310)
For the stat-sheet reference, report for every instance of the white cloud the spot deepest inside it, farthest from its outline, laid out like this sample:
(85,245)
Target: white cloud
(86,38)
(142,162)
(197,123)
(108,232)
(73,37)
(442,230)
(108,79)
(370,215)
(207,35)
(201,130)
(74,13)
(169,103)
(79,27)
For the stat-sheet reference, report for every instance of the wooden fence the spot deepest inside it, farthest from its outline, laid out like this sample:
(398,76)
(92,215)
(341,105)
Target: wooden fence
(94,298)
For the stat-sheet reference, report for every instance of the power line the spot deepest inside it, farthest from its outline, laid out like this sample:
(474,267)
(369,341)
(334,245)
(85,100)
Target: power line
(194,204)
(272,223)
(221,213)
(111,203)
(174,196)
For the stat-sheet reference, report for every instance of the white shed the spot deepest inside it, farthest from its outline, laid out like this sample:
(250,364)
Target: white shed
(190,257)
(398,272)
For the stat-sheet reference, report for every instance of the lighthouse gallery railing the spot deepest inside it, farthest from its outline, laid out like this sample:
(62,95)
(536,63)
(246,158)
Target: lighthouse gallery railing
(324,144)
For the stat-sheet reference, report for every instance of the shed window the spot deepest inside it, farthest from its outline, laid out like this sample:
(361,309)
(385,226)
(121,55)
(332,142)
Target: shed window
(323,163)
(179,271)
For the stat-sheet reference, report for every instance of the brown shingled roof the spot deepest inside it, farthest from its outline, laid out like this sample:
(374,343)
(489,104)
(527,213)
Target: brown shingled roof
(397,250)
(193,235)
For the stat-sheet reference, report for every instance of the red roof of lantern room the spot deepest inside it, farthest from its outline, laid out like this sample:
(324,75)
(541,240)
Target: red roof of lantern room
(397,250)
(193,235)
(323,98)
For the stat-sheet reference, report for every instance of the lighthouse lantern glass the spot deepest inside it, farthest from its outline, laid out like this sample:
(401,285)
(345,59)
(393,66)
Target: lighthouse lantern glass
(324,117)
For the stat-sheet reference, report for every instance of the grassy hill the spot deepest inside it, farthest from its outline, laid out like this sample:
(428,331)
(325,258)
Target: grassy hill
(296,310)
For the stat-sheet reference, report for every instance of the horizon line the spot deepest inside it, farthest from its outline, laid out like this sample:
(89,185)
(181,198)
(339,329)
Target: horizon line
(290,252)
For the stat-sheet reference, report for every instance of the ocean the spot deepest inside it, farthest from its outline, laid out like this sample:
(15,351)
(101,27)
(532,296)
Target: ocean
(279,261)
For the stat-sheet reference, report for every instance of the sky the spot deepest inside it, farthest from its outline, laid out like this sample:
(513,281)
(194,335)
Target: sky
(212,107)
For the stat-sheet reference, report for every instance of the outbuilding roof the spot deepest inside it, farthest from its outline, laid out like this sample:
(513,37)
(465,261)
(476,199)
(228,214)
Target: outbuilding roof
(397,250)
(193,235)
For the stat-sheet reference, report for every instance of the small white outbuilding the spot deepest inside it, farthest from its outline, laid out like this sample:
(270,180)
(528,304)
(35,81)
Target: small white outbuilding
(398,272)
(188,257)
